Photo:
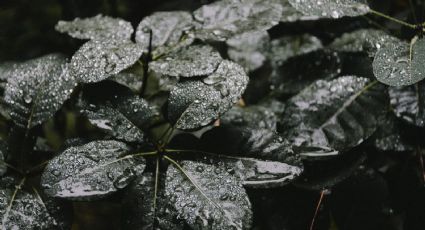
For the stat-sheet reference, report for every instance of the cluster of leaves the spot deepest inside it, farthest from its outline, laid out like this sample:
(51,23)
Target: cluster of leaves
(192,109)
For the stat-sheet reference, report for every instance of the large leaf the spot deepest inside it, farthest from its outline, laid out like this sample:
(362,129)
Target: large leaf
(408,103)
(398,64)
(142,212)
(124,117)
(97,27)
(194,103)
(363,40)
(338,113)
(37,88)
(167,28)
(197,60)
(248,49)
(20,209)
(207,196)
(90,171)
(97,60)
(331,8)
(258,116)
(223,19)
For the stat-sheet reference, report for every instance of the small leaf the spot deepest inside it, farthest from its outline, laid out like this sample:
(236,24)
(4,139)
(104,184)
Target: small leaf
(97,60)
(90,171)
(363,40)
(97,27)
(207,196)
(338,113)
(139,210)
(223,19)
(398,64)
(20,209)
(131,80)
(248,49)
(167,28)
(37,88)
(408,104)
(331,8)
(193,104)
(197,60)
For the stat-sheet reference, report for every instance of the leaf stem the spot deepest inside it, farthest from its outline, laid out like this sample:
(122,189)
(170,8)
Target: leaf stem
(155,195)
(316,212)
(148,58)
(13,168)
(377,13)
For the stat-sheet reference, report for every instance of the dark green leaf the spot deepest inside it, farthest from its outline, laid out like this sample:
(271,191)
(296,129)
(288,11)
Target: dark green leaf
(97,60)
(37,88)
(290,14)
(331,8)
(97,27)
(338,113)
(131,80)
(248,49)
(207,196)
(398,64)
(90,171)
(193,104)
(167,28)
(197,60)
(389,137)
(408,103)
(223,19)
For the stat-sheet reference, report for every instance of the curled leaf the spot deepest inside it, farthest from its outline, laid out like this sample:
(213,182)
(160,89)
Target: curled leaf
(398,64)
(222,19)
(197,60)
(331,8)
(37,88)
(193,104)
(90,171)
(97,27)
(97,60)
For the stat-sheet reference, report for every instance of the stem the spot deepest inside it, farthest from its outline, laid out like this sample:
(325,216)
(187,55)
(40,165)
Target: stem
(377,13)
(148,58)
(156,185)
(13,168)
(319,203)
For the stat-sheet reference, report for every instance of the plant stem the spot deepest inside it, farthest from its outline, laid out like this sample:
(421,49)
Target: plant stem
(377,13)
(319,203)
(148,58)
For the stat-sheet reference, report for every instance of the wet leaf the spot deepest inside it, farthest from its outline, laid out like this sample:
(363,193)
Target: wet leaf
(97,60)
(363,40)
(37,88)
(337,113)
(399,64)
(90,171)
(408,104)
(20,209)
(258,116)
(167,28)
(138,206)
(131,80)
(248,49)
(193,104)
(97,27)
(290,14)
(331,8)
(389,136)
(197,60)
(223,19)
(211,199)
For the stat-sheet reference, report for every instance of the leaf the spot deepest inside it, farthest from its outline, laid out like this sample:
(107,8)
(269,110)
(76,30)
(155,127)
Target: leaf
(248,49)
(223,19)
(167,28)
(20,209)
(389,136)
(197,60)
(337,114)
(408,104)
(90,171)
(193,104)
(97,27)
(289,78)
(138,206)
(331,8)
(258,116)
(398,64)
(290,14)
(37,88)
(206,196)
(97,60)
(362,40)
(124,117)
(3,167)
(131,80)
